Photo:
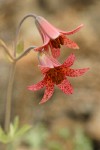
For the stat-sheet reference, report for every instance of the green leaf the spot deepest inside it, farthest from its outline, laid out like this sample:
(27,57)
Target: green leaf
(23,130)
(16,123)
(20,47)
(13,128)
(11,131)
(14,132)
(3,136)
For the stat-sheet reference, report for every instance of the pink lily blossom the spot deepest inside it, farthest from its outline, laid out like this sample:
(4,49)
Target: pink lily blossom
(53,38)
(55,74)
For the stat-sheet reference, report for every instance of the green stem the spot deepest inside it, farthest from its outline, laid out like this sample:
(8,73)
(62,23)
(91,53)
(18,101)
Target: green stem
(18,30)
(25,53)
(9,98)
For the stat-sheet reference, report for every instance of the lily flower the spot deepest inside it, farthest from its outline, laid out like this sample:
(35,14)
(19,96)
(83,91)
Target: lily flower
(55,74)
(53,38)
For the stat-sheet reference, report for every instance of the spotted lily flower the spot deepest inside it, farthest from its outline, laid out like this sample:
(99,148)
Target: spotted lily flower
(53,38)
(55,74)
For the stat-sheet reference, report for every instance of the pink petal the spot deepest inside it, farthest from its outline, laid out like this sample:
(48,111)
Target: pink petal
(48,91)
(45,39)
(75,72)
(37,86)
(47,28)
(66,87)
(69,43)
(55,52)
(55,61)
(44,69)
(44,60)
(47,61)
(41,32)
(43,47)
(69,61)
(73,31)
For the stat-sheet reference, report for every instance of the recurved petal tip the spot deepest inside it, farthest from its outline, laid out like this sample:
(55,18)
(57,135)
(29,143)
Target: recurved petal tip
(30,88)
(76,47)
(82,25)
(86,69)
(41,102)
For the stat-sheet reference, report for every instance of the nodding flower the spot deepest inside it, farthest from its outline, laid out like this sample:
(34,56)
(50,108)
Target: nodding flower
(56,74)
(53,38)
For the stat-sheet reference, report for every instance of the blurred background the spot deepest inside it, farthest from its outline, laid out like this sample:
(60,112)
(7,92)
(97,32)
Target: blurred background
(64,122)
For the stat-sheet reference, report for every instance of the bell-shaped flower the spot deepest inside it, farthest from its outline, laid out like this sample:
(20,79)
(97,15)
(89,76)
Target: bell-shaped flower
(56,74)
(53,38)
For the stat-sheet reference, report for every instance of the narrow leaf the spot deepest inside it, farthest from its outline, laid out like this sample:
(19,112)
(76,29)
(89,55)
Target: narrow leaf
(16,123)
(23,130)
(3,136)
(20,47)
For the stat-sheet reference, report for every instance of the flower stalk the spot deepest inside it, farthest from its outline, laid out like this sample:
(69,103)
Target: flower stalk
(25,52)
(10,88)
(18,30)
(9,97)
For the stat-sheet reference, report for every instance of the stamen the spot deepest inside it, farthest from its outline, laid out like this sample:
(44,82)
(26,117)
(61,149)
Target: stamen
(61,40)
(55,44)
(58,41)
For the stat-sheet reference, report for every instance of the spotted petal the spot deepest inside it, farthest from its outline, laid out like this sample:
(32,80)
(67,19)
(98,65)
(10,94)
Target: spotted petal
(66,87)
(69,61)
(48,91)
(55,51)
(75,72)
(71,32)
(37,86)
(69,43)
(43,69)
